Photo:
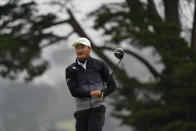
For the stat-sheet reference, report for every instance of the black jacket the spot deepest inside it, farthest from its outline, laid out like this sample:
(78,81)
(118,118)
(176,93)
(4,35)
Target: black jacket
(81,81)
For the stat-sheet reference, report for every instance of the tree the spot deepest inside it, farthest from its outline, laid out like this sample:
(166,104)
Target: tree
(166,103)
(23,37)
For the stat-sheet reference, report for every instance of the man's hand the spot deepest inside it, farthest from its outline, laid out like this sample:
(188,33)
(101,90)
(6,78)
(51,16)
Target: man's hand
(97,94)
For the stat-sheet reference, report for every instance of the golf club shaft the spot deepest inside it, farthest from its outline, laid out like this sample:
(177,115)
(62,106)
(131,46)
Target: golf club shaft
(105,84)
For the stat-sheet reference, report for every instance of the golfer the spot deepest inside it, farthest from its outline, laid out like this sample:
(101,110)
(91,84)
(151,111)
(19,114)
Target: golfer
(85,79)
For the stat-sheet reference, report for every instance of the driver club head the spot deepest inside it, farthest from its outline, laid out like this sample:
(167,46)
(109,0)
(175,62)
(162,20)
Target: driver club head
(119,53)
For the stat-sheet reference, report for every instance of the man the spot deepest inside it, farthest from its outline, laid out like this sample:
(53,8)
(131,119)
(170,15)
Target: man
(85,79)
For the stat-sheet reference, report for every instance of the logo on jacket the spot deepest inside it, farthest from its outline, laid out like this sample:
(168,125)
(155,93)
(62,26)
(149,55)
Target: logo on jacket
(68,80)
(74,67)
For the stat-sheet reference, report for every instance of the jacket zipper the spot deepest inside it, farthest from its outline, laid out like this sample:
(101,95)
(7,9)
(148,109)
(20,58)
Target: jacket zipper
(88,85)
(90,97)
(88,90)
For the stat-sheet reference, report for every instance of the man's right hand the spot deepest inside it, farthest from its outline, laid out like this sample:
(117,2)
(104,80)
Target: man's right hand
(96,94)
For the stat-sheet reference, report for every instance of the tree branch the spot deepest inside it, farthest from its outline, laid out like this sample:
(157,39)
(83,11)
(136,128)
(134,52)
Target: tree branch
(154,15)
(135,6)
(58,39)
(138,57)
(57,23)
(152,7)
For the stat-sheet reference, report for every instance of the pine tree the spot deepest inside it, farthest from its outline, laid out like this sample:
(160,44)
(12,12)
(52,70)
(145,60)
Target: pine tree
(166,103)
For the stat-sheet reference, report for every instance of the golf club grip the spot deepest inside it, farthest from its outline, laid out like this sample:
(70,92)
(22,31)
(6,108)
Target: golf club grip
(102,90)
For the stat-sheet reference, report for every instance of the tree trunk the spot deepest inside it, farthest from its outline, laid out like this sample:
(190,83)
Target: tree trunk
(171,11)
(172,14)
(193,39)
(135,6)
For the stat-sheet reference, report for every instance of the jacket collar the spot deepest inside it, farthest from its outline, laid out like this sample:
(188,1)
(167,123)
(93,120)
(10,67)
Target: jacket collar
(88,60)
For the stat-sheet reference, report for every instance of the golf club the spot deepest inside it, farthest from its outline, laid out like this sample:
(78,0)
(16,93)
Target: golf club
(119,53)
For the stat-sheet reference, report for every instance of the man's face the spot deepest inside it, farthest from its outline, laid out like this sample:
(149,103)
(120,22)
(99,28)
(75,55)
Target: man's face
(82,51)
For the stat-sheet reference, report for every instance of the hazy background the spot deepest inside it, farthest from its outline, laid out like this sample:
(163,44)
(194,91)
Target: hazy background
(46,101)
